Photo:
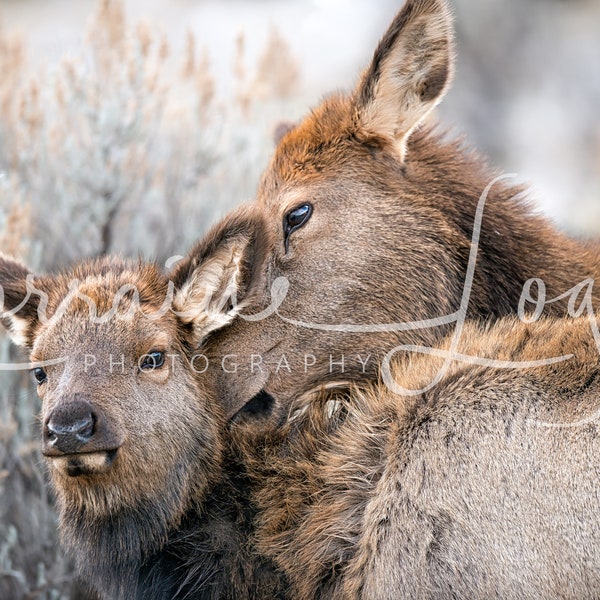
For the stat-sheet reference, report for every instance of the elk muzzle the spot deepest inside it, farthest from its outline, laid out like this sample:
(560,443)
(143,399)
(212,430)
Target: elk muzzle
(79,431)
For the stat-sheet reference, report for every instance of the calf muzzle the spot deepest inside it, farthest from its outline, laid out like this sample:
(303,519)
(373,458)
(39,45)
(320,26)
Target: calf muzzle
(75,427)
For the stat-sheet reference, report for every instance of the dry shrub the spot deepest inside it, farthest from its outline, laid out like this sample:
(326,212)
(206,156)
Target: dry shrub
(31,566)
(120,149)
(277,75)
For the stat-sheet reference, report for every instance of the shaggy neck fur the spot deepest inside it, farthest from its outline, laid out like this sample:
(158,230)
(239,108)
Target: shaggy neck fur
(206,554)
(318,477)
(313,547)
(516,244)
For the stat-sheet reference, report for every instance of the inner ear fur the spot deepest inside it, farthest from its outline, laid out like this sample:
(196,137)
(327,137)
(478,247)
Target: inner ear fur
(18,306)
(222,273)
(409,75)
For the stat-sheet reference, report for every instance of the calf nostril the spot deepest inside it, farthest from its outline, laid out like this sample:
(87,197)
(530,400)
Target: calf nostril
(86,429)
(67,432)
(84,426)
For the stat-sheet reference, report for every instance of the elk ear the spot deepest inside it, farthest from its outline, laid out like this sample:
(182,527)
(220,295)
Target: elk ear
(409,75)
(220,275)
(281,129)
(18,307)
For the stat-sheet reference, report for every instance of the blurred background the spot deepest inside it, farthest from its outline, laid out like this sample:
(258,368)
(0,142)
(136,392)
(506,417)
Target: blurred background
(133,126)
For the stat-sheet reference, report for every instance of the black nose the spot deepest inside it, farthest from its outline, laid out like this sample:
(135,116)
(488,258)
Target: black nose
(69,428)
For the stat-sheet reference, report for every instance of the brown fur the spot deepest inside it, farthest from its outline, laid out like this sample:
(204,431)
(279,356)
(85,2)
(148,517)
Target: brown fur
(467,491)
(389,239)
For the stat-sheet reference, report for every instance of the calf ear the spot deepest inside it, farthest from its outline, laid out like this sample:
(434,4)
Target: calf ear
(221,274)
(18,306)
(409,75)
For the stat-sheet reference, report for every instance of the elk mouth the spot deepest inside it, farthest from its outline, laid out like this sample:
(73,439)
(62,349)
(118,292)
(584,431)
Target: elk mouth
(83,463)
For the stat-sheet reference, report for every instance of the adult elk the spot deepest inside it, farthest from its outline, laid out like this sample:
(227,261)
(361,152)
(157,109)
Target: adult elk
(371,214)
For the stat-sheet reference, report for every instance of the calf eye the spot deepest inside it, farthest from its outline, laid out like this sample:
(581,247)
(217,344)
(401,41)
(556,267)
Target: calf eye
(152,360)
(39,375)
(295,219)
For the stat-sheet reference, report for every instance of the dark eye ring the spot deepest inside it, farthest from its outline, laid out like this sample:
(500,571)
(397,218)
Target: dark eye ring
(152,360)
(39,375)
(295,219)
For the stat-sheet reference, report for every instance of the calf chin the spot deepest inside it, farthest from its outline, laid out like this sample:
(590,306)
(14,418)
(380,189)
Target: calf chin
(78,465)
(111,533)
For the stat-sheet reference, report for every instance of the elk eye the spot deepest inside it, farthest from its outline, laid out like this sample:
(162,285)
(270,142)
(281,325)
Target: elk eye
(39,375)
(152,360)
(294,220)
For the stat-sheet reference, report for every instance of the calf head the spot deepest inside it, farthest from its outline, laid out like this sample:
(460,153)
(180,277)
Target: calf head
(130,433)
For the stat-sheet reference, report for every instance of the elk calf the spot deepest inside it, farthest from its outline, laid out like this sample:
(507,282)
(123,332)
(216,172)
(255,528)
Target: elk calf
(133,440)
